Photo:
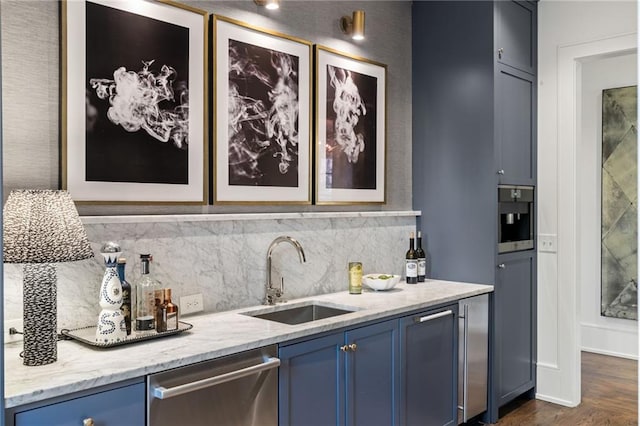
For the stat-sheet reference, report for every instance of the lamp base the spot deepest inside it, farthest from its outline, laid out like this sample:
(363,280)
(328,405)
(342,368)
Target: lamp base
(40,313)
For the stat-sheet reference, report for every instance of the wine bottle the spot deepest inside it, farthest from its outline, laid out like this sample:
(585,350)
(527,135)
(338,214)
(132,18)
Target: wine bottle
(126,295)
(146,302)
(422,259)
(411,263)
(171,310)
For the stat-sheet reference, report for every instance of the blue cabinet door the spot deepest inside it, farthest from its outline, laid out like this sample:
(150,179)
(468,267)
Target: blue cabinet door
(516,23)
(311,385)
(515,325)
(118,407)
(429,379)
(515,126)
(372,374)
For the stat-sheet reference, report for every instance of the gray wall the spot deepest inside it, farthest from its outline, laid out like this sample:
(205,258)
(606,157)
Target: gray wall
(31,73)
(223,260)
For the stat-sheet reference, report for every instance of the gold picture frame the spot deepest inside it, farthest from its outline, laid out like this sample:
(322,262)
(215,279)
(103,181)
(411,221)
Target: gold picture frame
(263,109)
(350,129)
(134,102)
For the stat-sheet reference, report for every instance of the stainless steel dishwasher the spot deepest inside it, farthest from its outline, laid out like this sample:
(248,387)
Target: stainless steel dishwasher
(473,356)
(239,389)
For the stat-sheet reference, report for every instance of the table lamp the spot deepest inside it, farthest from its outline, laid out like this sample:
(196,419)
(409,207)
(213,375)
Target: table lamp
(41,227)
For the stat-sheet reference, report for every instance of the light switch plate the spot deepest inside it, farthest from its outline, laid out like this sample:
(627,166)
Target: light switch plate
(548,243)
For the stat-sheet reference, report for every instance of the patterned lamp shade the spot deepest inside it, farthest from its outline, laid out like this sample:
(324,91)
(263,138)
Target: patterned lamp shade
(41,227)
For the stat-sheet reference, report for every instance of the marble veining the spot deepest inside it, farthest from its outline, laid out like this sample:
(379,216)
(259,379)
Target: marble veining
(80,367)
(225,260)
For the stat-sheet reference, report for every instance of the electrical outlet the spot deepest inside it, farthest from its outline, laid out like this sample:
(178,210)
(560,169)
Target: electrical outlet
(191,304)
(548,243)
(16,325)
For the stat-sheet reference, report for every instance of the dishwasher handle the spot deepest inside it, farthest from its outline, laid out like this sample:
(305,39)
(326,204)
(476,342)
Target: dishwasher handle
(161,392)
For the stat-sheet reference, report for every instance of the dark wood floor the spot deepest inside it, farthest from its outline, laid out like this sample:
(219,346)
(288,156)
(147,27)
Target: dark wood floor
(609,398)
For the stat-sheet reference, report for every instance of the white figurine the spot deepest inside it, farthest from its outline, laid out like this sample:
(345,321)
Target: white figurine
(111,324)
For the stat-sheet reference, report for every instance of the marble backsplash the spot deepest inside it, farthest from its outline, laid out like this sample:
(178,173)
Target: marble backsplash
(226,260)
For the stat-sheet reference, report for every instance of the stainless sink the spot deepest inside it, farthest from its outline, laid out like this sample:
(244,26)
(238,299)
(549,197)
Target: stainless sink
(297,314)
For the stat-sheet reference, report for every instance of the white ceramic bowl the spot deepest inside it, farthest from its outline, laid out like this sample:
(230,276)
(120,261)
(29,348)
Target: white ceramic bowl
(374,282)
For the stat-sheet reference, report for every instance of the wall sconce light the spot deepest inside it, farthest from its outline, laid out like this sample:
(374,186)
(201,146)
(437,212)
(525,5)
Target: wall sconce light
(353,26)
(269,4)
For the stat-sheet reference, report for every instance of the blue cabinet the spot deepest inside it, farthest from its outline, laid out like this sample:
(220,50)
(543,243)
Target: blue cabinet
(311,386)
(515,126)
(516,23)
(345,378)
(474,128)
(515,325)
(429,378)
(122,406)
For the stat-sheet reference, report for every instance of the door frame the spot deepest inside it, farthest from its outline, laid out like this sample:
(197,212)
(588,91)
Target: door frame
(565,375)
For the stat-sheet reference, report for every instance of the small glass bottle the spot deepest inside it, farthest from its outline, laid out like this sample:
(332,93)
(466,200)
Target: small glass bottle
(127,303)
(160,311)
(146,302)
(355,277)
(171,311)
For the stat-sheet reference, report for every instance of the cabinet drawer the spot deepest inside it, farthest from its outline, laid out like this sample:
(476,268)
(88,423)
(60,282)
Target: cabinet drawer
(119,407)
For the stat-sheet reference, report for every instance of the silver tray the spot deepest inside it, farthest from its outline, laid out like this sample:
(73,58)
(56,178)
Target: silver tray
(87,335)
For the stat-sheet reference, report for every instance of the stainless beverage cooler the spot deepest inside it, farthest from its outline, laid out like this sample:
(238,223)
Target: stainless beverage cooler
(473,357)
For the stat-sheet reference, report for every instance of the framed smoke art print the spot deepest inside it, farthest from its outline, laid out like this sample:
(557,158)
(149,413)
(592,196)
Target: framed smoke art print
(134,103)
(262,130)
(350,128)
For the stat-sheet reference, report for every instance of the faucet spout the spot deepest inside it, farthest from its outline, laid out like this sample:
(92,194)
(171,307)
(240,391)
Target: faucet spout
(274,294)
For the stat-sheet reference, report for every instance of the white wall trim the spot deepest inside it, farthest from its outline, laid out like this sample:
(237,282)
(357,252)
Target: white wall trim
(609,353)
(630,332)
(555,400)
(569,60)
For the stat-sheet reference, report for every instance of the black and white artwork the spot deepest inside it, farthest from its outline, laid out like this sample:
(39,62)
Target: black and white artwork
(137,98)
(263,116)
(351,129)
(262,92)
(350,114)
(142,70)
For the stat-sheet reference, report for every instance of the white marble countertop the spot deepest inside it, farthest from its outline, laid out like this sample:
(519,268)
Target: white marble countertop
(81,367)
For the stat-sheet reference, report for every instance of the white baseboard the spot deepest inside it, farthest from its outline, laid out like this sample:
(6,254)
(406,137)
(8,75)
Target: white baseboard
(610,340)
(553,400)
(609,353)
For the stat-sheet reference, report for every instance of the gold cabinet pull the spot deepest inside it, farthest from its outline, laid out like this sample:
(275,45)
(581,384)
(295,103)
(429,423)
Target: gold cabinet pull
(353,347)
(88,422)
(344,348)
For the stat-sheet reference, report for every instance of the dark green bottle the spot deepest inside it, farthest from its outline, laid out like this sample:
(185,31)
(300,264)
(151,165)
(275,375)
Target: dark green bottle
(422,259)
(411,263)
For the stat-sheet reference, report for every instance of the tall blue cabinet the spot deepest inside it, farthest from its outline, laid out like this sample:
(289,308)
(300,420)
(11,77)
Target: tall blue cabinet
(474,128)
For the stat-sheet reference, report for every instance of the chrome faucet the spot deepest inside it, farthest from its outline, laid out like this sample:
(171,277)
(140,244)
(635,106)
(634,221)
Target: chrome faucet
(274,294)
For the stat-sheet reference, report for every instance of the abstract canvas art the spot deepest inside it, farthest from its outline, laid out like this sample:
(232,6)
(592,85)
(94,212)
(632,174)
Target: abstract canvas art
(134,102)
(619,203)
(263,102)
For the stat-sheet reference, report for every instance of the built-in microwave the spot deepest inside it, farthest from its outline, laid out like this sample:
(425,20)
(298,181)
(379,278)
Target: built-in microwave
(516,215)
